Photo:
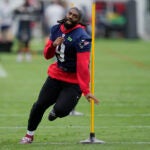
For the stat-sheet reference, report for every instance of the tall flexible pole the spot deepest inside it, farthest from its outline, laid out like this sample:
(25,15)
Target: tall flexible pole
(92,139)
(92,68)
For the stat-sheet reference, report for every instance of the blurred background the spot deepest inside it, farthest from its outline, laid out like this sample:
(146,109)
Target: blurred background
(114,19)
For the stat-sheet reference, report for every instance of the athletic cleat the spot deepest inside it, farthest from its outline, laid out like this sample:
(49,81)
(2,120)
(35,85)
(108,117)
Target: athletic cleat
(27,139)
(52,116)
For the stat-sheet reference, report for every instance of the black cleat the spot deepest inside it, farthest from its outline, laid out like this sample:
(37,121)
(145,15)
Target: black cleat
(52,116)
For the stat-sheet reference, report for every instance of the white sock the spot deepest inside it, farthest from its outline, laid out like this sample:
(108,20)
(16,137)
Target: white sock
(31,133)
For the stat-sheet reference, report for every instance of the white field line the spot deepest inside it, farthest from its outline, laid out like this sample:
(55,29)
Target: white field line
(78,127)
(128,143)
(87,115)
(121,115)
(105,142)
(3,73)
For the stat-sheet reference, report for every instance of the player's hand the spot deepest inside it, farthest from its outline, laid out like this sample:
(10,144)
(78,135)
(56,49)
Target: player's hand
(58,41)
(90,97)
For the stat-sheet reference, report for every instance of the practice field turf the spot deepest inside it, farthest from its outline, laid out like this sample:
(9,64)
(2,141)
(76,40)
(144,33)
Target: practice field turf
(122,119)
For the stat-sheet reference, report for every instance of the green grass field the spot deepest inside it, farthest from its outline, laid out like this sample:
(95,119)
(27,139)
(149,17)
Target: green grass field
(122,119)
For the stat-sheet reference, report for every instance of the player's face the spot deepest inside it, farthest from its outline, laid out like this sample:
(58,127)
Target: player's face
(72,18)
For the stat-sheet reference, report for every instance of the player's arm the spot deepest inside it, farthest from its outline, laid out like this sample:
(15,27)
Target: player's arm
(49,49)
(83,75)
(83,70)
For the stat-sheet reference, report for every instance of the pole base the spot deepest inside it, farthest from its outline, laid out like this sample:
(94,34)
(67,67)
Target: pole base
(92,140)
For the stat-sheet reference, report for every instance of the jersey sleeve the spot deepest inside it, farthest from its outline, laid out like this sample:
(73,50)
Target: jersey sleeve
(83,44)
(83,60)
(83,73)
(49,49)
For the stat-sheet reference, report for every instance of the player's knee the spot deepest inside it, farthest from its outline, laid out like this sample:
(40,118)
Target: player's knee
(60,112)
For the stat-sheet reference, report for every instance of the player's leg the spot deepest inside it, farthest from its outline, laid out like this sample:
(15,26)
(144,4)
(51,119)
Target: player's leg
(47,97)
(67,100)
